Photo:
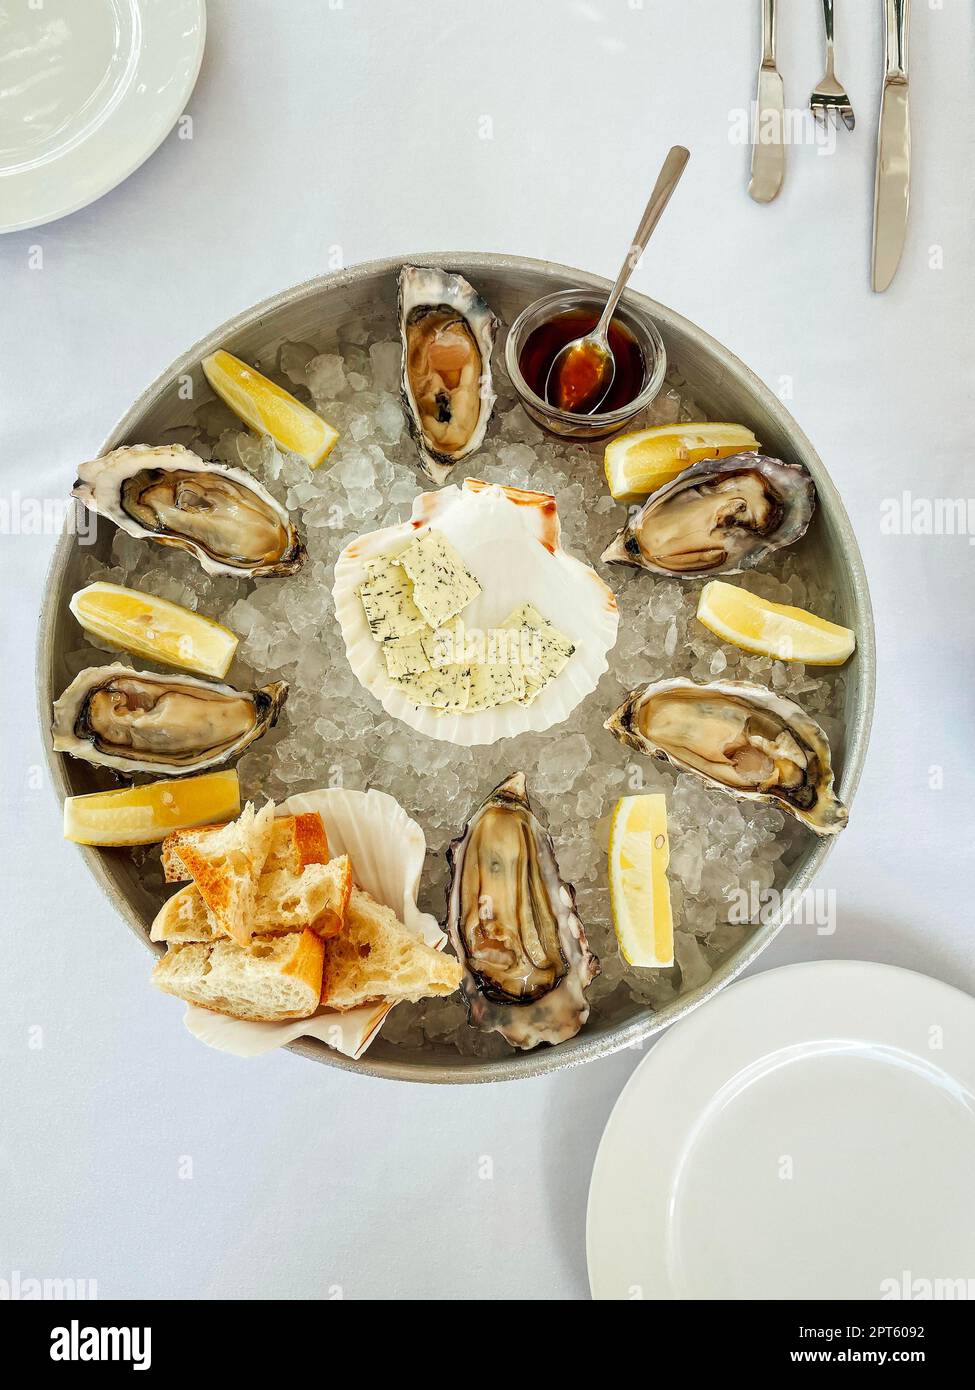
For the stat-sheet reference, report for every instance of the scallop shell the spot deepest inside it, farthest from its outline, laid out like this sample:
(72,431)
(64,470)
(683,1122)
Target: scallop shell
(510,540)
(387,850)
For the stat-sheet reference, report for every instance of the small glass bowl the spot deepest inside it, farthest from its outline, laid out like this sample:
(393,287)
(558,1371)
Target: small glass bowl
(565,422)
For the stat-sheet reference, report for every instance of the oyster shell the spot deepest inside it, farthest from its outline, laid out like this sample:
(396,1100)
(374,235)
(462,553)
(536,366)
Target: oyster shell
(141,721)
(740,737)
(720,516)
(513,924)
(448,336)
(221,515)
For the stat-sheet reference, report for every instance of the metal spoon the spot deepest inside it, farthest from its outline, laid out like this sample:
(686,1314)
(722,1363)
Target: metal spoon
(592,355)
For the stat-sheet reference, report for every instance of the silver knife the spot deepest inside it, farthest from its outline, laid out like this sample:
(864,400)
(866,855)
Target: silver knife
(768,149)
(893,187)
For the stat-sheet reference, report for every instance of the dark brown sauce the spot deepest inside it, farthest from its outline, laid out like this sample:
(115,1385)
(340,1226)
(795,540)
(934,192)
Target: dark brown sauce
(547,340)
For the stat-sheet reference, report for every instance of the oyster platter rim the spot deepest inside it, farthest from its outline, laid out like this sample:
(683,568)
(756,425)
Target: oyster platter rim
(585,1046)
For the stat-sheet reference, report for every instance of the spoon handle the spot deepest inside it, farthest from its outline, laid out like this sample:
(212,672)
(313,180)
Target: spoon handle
(667,180)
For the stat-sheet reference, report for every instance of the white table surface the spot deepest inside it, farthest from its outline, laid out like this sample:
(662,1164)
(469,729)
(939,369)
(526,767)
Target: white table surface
(129,1153)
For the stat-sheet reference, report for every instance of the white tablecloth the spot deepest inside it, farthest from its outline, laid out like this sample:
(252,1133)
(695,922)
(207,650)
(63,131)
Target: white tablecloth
(132,1155)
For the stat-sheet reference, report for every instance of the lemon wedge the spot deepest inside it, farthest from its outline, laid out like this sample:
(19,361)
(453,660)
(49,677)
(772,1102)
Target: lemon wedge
(639,852)
(143,815)
(269,409)
(155,628)
(772,629)
(641,462)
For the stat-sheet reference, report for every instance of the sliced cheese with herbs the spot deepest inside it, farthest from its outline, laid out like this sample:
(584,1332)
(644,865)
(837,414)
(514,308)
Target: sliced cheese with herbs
(555,652)
(526,615)
(406,656)
(421,635)
(448,689)
(495,683)
(447,645)
(442,584)
(549,649)
(412,600)
(387,601)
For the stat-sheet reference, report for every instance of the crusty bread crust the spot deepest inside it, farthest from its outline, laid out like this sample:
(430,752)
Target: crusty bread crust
(183,918)
(174,870)
(376,957)
(296,841)
(247,982)
(310,843)
(318,897)
(308,961)
(332,921)
(226,867)
(269,926)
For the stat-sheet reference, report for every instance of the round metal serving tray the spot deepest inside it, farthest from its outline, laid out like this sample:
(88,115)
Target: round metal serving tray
(726,390)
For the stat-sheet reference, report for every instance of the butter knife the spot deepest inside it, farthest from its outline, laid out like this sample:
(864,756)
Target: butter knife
(893,187)
(768,149)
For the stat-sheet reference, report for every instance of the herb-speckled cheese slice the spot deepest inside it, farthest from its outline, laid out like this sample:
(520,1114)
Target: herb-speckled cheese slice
(447,645)
(526,615)
(554,649)
(495,683)
(387,600)
(406,656)
(442,585)
(448,689)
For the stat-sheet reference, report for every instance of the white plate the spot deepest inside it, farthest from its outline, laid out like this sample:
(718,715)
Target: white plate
(809,1133)
(88,89)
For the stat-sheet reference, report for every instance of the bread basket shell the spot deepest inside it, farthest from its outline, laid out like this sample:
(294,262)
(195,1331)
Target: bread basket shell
(387,850)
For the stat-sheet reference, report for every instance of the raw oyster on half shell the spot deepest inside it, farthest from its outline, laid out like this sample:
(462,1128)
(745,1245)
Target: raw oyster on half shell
(513,924)
(141,721)
(168,494)
(448,336)
(720,516)
(740,737)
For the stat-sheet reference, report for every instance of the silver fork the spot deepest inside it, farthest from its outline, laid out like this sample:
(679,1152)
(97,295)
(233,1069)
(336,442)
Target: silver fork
(829,95)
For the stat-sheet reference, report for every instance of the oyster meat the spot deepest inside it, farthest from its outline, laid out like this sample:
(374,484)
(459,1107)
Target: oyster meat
(513,924)
(740,737)
(221,515)
(720,516)
(140,721)
(448,336)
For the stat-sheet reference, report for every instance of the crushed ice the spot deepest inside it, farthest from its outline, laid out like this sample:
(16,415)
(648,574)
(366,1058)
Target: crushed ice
(333,732)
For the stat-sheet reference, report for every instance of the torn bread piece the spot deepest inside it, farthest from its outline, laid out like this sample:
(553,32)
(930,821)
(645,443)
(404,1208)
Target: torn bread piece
(442,583)
(317,898)
(377,958)
(274,978)
(296,841)
(226,867)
